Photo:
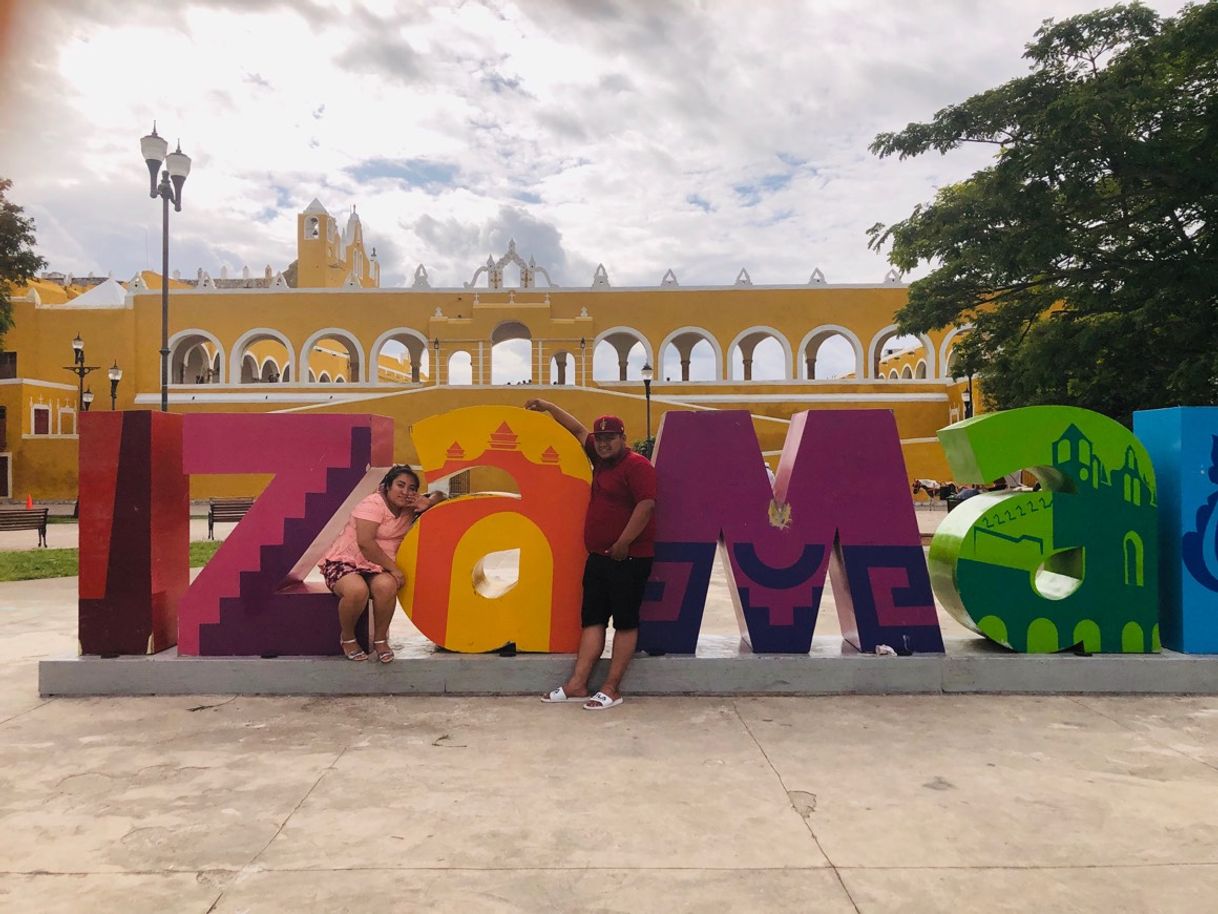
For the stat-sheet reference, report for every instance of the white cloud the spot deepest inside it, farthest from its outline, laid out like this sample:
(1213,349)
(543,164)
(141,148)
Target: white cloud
(644,136)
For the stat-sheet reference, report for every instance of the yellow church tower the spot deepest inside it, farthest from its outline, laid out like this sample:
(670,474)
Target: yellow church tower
(328,259)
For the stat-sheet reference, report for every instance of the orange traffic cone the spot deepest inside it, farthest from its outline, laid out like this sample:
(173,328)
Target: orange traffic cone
(29,502)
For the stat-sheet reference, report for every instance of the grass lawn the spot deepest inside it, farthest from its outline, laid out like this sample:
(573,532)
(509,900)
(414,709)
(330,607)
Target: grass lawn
(32,564)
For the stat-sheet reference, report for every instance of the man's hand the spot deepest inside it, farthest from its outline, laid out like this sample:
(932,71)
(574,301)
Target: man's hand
(619,551)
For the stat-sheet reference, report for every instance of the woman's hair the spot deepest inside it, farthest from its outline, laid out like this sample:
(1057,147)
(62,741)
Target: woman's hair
(399,469)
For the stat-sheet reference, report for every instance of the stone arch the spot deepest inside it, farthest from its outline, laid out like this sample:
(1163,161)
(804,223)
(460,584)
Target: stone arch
(876,347)
(920,369)
(324,378)
(249,370)
(748,340)
(907,373)
(683,340)
(622,340)
(355,352)
(946,346)
(892,375)
(810,345)
(187,343)
(270,370)
(417,347)
(258,334)
(462,361)
(511,340)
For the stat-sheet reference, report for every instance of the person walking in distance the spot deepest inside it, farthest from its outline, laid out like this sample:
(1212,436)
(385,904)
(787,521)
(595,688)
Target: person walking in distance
(619,534)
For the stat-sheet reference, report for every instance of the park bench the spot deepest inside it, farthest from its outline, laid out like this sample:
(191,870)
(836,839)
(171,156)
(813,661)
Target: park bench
(25,519)
(225,510)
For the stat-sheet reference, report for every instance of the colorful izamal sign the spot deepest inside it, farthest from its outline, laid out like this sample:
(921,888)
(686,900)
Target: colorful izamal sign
(1116,550)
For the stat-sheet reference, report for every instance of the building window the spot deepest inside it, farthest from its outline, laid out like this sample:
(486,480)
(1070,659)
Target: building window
(8,365)
(42,420)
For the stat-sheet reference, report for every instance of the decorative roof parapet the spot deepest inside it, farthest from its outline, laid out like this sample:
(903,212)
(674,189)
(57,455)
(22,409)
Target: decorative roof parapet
(600,279)
(892,277)
(494,270)
(743,278)
(420,278)
(669,279)
(817,278)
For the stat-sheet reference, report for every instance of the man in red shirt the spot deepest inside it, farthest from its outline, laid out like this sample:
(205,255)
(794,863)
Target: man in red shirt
(619,534)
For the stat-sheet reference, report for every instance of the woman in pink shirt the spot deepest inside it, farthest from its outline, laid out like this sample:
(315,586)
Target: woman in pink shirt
(363,560)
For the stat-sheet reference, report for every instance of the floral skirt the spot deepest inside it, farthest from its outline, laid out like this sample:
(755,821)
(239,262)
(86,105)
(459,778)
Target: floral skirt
(332,571)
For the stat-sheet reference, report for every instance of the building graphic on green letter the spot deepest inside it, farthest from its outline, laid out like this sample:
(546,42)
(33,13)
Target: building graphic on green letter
(1073,564)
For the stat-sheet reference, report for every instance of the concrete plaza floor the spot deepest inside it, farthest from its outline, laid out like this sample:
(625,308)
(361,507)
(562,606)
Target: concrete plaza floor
(850,803)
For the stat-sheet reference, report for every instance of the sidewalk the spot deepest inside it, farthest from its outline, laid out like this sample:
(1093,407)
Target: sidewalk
(871,804)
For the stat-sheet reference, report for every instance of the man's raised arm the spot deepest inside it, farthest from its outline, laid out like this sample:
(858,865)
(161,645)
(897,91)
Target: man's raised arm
(561,416)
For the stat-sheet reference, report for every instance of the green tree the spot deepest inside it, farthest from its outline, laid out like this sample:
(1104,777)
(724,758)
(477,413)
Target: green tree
(18,262)
(1100,200)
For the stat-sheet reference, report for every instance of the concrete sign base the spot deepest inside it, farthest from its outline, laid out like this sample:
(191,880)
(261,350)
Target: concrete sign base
(721,667)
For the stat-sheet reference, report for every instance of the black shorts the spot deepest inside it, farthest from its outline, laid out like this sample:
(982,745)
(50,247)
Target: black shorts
(614,590)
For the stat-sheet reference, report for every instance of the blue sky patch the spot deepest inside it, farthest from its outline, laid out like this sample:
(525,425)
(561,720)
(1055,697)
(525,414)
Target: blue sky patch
(425,173)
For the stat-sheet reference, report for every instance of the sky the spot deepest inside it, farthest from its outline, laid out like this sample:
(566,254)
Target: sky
(641,134)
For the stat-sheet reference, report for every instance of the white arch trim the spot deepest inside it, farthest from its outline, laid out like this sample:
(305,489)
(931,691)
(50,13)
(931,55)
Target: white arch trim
(256,333)
(768,331)
(647,350)
(891,330)
(945,348)
(704,334)
(860,367)
(177,338)
(353,347)
(922,365)
(374,353)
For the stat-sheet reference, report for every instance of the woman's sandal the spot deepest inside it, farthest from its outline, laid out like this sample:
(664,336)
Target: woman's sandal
(357,654)
(384,656)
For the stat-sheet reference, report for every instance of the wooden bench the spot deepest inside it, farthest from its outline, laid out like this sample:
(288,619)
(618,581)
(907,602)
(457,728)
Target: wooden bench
(25,519)
(225,510)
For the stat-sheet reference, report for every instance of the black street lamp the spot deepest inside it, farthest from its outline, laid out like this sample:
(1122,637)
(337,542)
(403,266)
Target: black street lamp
(80,369)
(177,167)
(647,374)
(87,396)
(116,375)
(967,396)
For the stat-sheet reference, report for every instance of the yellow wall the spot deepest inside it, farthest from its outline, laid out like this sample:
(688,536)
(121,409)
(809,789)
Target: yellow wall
(311,324)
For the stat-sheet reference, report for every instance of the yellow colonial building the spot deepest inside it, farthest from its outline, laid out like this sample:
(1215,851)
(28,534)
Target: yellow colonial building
(324,335)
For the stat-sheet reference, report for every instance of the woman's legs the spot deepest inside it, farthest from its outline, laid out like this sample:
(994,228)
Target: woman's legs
(384,589)
(352,593)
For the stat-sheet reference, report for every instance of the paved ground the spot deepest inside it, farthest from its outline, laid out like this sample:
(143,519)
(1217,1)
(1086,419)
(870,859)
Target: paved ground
(872,804)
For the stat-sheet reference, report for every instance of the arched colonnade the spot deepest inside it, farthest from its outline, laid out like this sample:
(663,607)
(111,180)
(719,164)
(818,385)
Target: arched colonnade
(512,354)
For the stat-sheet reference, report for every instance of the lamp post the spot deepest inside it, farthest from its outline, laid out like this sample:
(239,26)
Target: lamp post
(967,396)
(87,396)
(80,369)
(647,374)
(116,375)
(583,362)
(435,361)
(177,167)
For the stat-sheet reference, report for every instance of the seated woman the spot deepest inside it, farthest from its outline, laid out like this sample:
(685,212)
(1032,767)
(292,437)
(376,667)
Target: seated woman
(363,560)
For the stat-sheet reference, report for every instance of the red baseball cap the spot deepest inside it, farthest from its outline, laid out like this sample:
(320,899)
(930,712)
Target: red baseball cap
(608,425)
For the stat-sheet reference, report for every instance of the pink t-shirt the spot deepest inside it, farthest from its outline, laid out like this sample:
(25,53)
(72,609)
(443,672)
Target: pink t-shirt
(390,531)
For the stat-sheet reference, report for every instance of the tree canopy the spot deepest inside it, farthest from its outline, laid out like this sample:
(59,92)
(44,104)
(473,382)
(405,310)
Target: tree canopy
(18,262)
(1084,254)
